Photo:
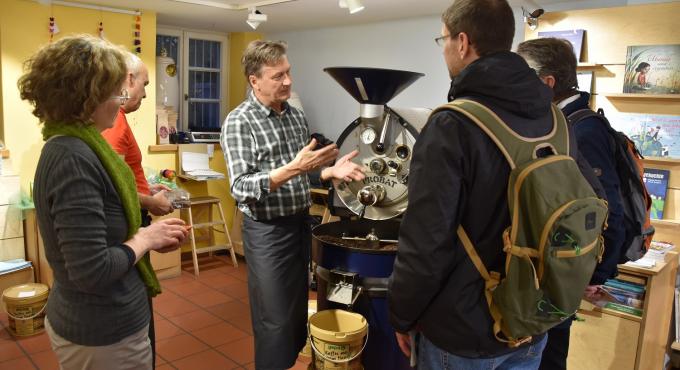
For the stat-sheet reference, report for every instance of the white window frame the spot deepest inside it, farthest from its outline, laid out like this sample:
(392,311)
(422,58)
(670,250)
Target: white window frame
(183,62)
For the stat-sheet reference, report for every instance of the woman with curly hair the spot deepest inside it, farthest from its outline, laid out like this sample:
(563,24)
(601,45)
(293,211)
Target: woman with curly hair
(88,210)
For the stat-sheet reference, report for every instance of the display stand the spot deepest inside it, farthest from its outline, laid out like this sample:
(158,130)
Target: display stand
(609,339)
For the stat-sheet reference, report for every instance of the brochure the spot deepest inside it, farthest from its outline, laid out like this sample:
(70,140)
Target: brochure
(656,181)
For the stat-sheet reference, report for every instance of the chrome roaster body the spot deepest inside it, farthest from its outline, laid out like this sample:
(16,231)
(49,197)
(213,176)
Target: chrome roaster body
(355,256)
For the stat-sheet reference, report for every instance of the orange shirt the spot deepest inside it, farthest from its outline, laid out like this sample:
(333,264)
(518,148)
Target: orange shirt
(123,142)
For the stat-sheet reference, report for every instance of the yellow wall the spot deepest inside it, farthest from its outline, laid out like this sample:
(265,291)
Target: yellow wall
(237,82)
(2,118)
(23,29)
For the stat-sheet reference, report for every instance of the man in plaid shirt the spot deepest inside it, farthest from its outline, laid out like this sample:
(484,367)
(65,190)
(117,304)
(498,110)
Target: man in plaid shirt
(268,153)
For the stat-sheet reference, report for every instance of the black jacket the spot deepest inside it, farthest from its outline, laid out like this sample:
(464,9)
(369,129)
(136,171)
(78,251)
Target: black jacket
(458,176)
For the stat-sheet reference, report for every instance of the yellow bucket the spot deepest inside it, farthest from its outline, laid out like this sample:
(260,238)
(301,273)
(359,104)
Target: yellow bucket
(25,306)
(338,337)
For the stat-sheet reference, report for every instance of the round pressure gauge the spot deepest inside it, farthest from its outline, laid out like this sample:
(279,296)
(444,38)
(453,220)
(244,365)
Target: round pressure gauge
(368,135)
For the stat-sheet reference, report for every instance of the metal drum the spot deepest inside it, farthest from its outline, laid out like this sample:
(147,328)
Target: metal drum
(360,275)
(356,257)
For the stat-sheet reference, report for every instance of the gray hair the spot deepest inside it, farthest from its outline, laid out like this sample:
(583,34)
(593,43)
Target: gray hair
(133,63)
(552,57)
(260,53)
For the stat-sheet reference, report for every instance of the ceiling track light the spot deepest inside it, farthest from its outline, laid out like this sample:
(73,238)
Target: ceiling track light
(255,17)
(354,6)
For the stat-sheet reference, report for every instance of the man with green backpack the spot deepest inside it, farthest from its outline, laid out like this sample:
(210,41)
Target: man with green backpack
(502,231)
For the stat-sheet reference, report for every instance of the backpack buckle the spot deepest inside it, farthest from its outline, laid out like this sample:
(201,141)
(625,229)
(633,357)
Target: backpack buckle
(520,341)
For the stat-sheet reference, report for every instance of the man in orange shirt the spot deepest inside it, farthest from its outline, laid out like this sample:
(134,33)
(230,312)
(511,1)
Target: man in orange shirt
(151,197)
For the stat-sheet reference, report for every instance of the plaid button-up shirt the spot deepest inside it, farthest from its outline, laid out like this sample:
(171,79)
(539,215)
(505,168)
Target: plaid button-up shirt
(256,140)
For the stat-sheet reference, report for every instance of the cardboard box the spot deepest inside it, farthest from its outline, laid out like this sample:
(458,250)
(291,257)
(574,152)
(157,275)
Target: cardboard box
(17,277)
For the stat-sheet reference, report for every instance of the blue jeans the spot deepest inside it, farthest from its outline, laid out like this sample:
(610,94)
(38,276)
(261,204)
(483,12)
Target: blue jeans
(430,357)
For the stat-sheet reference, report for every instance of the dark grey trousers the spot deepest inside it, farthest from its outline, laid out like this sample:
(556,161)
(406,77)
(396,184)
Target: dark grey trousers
(277,255)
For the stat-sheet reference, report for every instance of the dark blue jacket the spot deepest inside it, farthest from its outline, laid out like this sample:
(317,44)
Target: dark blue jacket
(595,145)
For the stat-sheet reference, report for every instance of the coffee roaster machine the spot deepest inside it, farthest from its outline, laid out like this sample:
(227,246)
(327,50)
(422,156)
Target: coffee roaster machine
(355,256)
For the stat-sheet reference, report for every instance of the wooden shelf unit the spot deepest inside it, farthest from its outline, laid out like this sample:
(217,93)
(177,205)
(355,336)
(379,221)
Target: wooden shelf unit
(162,148)
(609,339)
(641,96)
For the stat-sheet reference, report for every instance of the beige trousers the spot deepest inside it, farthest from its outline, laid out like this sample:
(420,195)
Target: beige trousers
(133,352)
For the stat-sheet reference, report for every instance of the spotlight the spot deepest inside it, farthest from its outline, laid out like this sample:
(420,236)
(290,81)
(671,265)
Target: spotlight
(255,17)
(354,6)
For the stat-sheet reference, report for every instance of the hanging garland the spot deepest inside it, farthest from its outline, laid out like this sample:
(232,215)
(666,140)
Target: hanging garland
(138,34)
(53,28)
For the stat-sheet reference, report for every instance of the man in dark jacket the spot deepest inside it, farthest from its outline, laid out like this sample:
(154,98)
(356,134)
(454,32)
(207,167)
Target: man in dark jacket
(555,63)
(459,177)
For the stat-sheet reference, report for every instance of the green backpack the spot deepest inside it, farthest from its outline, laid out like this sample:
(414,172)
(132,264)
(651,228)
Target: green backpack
(554,240)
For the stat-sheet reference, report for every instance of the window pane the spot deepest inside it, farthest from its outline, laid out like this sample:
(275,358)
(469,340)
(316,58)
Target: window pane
(204,85)
(200,62)
(204,116)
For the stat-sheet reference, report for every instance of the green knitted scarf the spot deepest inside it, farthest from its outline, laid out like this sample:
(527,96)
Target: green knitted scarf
(124,182)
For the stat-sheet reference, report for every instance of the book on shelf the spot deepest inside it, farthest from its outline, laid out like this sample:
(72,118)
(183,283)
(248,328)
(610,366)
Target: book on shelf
(625,286)
(617,292)
(656,181)
(611,295)
(655,135)
(657,250)
(623,308)
(652,69)
(575,37)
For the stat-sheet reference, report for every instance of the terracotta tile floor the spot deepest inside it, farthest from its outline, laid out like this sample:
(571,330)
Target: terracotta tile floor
(201,323)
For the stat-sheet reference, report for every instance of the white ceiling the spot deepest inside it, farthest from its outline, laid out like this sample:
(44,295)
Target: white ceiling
(308,14)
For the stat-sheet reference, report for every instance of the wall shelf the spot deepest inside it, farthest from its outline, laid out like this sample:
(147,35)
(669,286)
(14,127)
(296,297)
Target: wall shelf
(162,148)
(666,222)
(642,96)
(662,160)
(589,66)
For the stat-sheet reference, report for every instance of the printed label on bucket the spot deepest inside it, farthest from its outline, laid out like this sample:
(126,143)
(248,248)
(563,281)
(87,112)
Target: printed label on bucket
(337,352)
(26,320)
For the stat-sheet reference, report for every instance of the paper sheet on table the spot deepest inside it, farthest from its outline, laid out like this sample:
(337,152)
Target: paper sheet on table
(196,164)
(643,262)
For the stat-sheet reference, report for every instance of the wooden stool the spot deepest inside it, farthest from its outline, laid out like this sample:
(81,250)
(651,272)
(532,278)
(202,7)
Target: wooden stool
(209,202)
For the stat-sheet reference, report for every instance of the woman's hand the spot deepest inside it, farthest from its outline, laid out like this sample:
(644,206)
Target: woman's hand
(162,236)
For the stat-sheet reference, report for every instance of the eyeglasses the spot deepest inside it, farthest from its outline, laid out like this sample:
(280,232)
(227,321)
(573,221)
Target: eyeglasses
(123,97)
(440,40)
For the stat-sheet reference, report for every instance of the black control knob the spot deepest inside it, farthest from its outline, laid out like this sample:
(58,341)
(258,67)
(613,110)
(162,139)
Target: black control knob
(377,166)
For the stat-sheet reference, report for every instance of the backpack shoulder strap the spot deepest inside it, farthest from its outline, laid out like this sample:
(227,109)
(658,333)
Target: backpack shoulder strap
(582,114)
(515,148)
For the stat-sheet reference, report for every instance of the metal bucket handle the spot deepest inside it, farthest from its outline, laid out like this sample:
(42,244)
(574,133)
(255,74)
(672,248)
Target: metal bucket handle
(311,343)
(30,317)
